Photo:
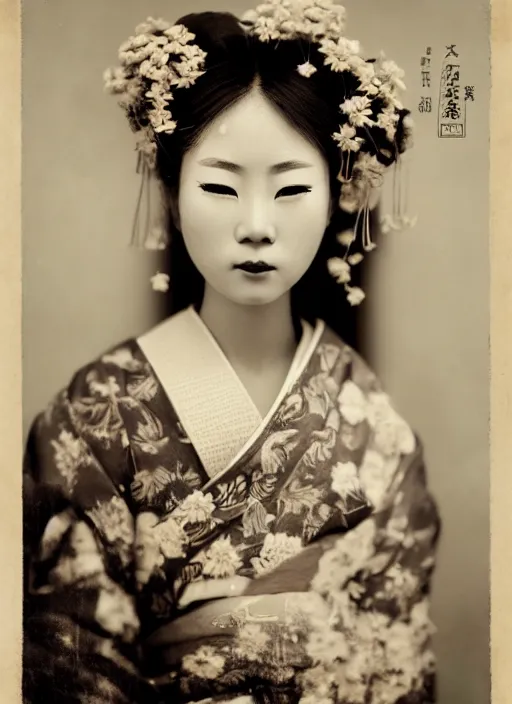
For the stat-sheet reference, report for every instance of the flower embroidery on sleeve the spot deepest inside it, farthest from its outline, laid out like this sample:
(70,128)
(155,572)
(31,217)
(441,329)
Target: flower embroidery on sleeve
(171,538)
(276,549)
(70,453)
(204,662)
(352,403)
(196,508)
(221,559)
(115,522)
(392,435)
(345,481)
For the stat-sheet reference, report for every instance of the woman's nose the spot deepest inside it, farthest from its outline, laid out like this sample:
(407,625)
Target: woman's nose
(256,225)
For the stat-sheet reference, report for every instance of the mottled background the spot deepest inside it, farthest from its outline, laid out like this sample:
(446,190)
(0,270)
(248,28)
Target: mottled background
(427,314)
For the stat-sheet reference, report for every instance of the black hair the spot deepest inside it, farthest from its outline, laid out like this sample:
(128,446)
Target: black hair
(235,63)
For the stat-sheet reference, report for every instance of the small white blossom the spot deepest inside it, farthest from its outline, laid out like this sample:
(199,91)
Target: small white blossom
(306,69)
(358,110)
(339,269)
(160,282)
(355,295)
(276,549)
(344,479)
(196,508)
(221,560)
(171,538)
(347,139)
(352,403)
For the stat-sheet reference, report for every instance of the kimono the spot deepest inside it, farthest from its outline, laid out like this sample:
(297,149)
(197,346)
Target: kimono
(153,472)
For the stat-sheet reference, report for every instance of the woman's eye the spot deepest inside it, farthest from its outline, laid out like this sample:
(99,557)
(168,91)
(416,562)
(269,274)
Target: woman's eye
(293,190)
(218,188)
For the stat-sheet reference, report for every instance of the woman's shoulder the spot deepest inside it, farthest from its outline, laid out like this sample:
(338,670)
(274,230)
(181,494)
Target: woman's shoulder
(109,372)
(357,369)
(363,396)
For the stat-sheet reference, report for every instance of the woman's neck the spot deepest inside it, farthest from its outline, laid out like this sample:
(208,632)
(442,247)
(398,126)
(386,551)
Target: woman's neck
(251,337)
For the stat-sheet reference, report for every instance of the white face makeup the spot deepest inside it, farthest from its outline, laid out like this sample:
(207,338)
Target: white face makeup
(253,190)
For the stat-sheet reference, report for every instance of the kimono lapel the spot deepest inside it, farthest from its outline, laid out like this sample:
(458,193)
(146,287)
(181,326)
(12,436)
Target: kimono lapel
(214,407)
(280,484)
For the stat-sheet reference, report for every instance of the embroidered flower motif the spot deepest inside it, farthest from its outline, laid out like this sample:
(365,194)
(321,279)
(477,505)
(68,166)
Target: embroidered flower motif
(160,282)
(306,69)
(345,481)
(124,359)
(251,641)
(171,538)
(69,454)
(276,549)
(256,519)
(148,483)
(196,508)
(348,556)
(205,662)
(352,403)
(352,436)
(114,520)
(392,434)
(347,140)
(149,436)
(276,449)
(221,559)
(327,646)
(339,269)
(373,477)
(105,389)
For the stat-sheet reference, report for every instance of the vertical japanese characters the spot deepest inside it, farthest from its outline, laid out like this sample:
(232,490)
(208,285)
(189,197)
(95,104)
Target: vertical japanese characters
(452,108)
(425,104)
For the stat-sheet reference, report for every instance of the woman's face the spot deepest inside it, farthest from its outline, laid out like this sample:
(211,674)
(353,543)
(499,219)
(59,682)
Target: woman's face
(253,190)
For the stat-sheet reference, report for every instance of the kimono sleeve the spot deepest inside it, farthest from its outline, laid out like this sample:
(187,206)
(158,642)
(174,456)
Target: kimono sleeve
(376,642)
(80,621)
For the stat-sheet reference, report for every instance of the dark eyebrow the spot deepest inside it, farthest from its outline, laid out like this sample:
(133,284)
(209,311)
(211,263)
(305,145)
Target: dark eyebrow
(237,169)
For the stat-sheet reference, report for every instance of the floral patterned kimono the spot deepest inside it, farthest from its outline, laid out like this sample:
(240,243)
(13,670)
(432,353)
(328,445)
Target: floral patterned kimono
(153,471)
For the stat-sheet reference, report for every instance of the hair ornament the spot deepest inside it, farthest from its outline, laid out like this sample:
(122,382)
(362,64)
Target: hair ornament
(161,58)
(374,104)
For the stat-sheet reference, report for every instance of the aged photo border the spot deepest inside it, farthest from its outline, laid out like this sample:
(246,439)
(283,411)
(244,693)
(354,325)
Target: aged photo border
(11,351)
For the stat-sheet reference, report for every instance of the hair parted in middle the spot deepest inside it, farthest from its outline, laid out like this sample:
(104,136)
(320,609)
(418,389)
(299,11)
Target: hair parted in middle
(232,62)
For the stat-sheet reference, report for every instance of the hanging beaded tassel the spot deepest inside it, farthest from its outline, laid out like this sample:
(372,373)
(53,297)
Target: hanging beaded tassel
(148,231)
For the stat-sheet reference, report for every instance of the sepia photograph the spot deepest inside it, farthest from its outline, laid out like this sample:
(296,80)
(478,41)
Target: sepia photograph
(255,352)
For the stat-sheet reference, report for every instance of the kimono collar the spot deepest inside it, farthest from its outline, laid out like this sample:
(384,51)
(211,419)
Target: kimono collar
(214,407)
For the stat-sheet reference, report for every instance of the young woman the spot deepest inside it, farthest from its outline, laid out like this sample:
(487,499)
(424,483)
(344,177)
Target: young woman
(229,507)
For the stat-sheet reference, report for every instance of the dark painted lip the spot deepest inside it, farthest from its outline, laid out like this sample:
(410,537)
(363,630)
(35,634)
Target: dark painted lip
(255,267)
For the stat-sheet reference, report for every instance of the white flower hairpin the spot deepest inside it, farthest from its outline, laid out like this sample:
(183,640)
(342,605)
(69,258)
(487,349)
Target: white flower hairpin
(375,103)
(161,58)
